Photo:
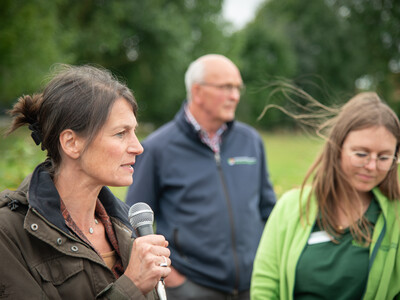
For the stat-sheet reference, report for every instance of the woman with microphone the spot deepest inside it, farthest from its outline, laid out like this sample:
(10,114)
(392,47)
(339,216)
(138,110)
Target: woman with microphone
(63,235)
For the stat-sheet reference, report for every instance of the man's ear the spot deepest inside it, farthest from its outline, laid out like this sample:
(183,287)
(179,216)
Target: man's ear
(195,92)
(71,144)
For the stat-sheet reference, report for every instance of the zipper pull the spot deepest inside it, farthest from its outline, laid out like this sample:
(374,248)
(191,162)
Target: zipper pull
(217,158)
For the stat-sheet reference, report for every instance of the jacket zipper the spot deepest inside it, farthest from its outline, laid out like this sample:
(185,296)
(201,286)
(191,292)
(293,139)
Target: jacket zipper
(233,238)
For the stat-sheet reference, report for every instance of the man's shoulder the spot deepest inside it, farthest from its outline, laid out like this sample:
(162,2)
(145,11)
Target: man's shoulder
(162,135)
(246,129)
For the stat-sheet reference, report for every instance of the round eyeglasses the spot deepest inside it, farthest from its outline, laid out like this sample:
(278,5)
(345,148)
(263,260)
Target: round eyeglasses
(383,162)
(227,88)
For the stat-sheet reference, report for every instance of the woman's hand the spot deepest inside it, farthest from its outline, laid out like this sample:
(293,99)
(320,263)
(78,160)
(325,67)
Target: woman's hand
(148,254)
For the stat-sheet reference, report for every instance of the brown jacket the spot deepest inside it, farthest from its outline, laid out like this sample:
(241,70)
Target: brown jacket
(40,259)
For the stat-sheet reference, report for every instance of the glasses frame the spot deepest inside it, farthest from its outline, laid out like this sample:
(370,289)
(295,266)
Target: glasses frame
(368,158)
(227,88)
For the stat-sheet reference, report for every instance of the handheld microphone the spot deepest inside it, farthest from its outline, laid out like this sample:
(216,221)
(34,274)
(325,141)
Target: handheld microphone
(141,217)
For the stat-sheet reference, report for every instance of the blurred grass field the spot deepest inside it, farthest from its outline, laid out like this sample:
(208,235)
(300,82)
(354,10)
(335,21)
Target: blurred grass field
(289,157)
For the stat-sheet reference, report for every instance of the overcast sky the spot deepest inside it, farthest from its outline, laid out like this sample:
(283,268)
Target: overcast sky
(239,12)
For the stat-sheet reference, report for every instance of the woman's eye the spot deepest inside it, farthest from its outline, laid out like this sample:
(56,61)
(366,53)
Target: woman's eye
(120,134)
(361,154)
(384,158)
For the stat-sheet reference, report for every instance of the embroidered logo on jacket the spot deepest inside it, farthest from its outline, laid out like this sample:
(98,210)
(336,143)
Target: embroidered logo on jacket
(242,160)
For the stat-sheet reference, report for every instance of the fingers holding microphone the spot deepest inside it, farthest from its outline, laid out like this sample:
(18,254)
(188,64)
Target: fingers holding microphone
(149,262)
(163,261)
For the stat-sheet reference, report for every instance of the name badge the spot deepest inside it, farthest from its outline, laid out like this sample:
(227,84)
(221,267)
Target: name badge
(319,237)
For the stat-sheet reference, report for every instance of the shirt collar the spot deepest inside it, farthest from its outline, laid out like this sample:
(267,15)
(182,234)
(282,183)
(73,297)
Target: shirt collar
(191,120)
(215,142)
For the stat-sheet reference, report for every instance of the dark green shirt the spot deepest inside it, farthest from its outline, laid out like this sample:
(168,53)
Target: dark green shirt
(327,270)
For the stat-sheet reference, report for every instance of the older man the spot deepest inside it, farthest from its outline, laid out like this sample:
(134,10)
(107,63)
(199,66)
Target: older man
(205,176)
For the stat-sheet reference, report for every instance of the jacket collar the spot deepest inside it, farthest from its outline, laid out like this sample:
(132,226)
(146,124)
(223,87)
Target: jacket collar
(382,200)
(188,129)
(44,198)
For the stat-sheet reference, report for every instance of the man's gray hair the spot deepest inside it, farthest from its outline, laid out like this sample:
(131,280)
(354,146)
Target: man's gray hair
(194,74)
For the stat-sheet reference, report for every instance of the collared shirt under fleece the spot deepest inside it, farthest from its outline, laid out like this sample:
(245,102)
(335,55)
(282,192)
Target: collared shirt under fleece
(211,208)
(285,237)
(40,258)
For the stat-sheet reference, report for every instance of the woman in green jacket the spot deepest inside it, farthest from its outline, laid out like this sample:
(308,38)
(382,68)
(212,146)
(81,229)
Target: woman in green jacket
(339,237)
(63,235)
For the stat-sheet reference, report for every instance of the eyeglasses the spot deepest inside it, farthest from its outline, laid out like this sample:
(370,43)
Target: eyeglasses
(383,162)
(226,88)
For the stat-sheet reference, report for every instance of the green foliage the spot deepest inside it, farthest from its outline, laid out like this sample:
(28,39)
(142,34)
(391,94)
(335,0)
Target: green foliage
(265,54)
(19,156)
(330,48)
(27,46)
(149,43)
(376,24)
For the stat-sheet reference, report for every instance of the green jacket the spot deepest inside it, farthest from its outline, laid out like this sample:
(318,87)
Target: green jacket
(41,260)
(285,237)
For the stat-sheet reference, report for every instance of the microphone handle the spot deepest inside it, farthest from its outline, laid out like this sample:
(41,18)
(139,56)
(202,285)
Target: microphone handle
(144,230)
(161,290)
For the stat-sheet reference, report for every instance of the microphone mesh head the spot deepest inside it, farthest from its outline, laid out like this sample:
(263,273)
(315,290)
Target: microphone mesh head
(140,214)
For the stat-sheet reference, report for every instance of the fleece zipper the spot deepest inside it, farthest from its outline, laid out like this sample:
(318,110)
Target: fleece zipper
(233,236)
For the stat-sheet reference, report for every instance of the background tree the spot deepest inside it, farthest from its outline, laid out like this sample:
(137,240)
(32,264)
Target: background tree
(28,46)
(266,55)
(378,25)
(330,48)
(147,43)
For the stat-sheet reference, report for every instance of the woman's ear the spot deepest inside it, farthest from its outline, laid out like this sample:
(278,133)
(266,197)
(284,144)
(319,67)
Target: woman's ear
(71,144)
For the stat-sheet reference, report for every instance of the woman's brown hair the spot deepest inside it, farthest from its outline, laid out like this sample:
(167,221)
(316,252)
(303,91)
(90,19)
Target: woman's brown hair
(77,98)
(329,185)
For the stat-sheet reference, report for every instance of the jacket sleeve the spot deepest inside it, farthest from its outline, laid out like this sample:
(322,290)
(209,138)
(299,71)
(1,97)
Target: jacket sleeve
(145,186)
(267,198)
(265,282)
